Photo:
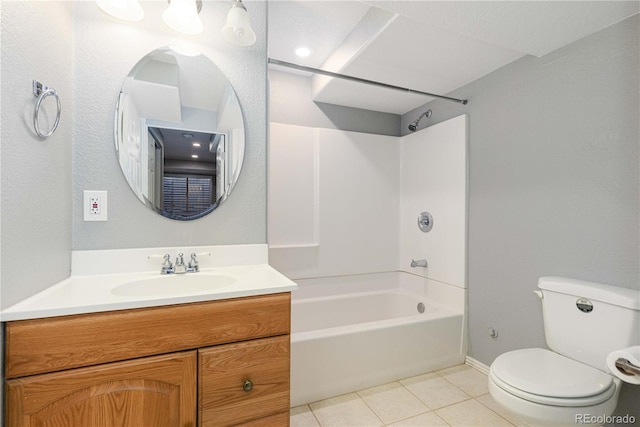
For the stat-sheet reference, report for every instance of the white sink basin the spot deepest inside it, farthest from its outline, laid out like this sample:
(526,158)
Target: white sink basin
(174,284)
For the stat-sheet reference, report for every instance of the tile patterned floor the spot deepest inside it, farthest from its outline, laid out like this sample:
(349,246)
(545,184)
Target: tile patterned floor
(456,396)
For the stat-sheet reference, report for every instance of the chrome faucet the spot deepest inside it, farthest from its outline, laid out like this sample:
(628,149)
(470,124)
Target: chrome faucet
(418,263)
(179,266)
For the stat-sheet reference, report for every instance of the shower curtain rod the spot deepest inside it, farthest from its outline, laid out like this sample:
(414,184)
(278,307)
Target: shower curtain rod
(358,79)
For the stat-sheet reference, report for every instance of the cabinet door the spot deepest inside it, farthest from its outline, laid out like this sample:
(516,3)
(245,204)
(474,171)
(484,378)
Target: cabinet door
(152,391)
(244,382)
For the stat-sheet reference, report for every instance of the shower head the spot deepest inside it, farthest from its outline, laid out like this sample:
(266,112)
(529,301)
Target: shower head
(414,125)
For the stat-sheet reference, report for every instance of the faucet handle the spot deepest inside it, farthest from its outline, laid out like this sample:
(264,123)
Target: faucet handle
(166,263)
(167,267)
(193,262)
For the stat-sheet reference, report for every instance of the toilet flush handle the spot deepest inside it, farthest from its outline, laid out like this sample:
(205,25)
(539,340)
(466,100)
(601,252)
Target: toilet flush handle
(539,293)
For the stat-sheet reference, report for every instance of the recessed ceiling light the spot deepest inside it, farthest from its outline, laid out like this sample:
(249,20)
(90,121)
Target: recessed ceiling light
(195,156)
(196,144)
(303,51)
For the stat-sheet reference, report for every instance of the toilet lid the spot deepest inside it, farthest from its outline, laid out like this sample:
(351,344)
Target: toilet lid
(545,373)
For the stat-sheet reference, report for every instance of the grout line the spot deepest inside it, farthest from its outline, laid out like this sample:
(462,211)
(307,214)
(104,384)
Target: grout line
(472,363)
(369,406)
(314,415)
(480,402)
(416,396)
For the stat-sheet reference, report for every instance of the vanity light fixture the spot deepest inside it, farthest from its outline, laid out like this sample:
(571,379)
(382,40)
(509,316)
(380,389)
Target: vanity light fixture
(128,10)
(182,16)
(237,30)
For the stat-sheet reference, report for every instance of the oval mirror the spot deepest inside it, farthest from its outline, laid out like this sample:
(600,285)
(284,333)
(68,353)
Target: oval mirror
(179,134)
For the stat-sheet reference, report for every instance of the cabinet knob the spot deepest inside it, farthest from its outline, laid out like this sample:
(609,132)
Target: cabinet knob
(247,386)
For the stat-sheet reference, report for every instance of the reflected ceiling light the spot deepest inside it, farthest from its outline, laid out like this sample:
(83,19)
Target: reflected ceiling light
(238,30)
(195,156)
(182,16)
(128,10)
(303,51)
(196,144)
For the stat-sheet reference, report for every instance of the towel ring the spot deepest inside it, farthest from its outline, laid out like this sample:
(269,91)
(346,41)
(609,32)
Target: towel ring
(42,92)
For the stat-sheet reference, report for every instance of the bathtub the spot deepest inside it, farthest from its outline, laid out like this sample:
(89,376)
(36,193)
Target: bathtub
(353,332)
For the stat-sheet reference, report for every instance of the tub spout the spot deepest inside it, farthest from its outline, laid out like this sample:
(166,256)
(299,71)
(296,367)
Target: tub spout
(418,263)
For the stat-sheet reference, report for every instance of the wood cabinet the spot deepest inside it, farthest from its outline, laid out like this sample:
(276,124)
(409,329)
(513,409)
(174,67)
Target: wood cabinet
(238,382)
(153,391)
(217,363)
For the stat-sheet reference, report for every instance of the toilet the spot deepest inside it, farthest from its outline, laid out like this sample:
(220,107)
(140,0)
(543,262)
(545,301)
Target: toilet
(569,382)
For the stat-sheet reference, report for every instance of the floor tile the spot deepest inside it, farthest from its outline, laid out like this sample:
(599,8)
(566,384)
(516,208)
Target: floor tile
(429,419)
(471,413)
(392,402)
(435,392)
(348,410)
(421,377)
(471,381)
(441,398)
(488,401)
(301,416)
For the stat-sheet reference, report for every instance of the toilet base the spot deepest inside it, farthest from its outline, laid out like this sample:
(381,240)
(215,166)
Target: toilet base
(536,414)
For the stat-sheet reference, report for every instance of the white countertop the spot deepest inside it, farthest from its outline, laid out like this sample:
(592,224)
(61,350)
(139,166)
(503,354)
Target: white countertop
(88,293)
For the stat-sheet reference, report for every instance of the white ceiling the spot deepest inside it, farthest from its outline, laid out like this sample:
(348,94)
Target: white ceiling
(430,46)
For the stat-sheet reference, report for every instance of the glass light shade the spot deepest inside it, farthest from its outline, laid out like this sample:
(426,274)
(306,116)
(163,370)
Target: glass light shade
(128,10)
(238,29)
(182,16)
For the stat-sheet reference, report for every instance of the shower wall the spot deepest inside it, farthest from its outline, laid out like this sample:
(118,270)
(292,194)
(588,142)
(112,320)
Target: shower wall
(333,200)
(347,202)
(434,179)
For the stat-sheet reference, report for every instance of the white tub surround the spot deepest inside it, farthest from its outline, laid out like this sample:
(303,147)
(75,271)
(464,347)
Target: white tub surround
(99,277)
(354,332)
(348,185)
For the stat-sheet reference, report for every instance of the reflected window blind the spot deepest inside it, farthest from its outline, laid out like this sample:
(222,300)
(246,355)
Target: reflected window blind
(186,195)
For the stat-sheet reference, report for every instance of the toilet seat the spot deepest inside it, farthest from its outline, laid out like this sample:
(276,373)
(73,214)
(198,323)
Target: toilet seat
(548,378)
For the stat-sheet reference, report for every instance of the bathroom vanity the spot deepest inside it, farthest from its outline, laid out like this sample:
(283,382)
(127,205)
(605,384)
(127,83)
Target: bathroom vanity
(209,358)
(211,364)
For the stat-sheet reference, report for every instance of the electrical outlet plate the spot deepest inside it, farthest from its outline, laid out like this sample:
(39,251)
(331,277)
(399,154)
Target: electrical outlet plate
(95,205)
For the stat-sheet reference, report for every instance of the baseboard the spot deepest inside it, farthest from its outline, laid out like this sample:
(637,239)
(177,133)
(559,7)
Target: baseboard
(476,364)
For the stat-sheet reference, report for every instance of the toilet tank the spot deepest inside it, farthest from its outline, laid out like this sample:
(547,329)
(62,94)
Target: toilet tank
(585,321)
